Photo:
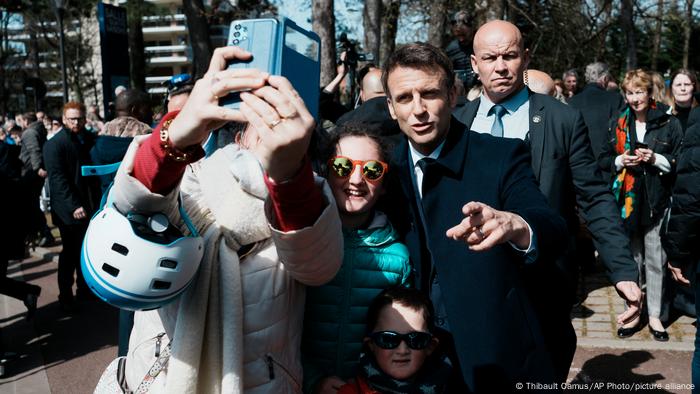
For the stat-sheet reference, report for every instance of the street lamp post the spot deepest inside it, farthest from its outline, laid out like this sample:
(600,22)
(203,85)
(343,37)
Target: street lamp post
(60,11)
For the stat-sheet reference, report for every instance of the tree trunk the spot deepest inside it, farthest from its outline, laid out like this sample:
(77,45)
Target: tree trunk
(488,10)
(371,21)
(687,29)
(656,42)
(627,23)
(390,21)
(323,23)
(198,30)
(437,23)
(137,60)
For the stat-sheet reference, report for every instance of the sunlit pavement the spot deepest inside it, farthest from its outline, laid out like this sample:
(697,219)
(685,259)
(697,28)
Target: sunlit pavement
(61,353)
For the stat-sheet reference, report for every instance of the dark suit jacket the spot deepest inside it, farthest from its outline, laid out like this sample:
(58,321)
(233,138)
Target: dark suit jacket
(598,107)
(63,156)
(497,337)
(569,176)
(33,140)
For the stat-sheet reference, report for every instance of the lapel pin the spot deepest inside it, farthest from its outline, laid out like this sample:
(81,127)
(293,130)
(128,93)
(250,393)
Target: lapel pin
(537,119)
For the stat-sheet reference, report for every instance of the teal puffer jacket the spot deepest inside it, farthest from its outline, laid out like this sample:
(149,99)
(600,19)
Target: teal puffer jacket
(334,321)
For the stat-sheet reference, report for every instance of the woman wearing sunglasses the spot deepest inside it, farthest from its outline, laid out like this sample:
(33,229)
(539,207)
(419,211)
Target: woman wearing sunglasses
(373,260)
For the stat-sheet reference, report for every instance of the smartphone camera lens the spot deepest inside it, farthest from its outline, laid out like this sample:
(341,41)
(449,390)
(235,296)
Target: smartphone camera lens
(235,41)
(237,27)
(236,34)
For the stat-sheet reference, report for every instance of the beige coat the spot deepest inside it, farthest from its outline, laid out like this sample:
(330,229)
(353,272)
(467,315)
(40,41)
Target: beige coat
(266,315)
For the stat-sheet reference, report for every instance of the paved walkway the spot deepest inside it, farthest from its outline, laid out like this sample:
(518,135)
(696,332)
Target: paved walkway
(595,321)
(66,354)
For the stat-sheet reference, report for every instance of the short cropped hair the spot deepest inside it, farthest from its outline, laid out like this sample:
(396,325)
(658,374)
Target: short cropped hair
(422,56)
(461,18)
(568,73)
(410,298)
(30,117)
(74,105)
(596,71)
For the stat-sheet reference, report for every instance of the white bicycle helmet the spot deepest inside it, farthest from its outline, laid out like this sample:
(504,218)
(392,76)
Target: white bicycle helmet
(139,262)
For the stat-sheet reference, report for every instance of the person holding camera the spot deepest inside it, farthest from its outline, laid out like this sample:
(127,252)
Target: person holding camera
(642,153)
(460,49)
(269,228)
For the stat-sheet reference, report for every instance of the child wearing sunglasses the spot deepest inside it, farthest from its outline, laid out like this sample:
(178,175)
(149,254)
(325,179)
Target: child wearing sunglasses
(374,260)
(399,354)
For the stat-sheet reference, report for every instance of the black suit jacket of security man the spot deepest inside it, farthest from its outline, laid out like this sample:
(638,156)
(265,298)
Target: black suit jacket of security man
(496,334)
(568,176)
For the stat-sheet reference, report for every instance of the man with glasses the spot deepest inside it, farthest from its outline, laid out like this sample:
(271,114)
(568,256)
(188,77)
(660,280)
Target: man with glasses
(73,198)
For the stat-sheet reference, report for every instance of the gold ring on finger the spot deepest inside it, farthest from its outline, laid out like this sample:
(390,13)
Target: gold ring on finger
(275,123)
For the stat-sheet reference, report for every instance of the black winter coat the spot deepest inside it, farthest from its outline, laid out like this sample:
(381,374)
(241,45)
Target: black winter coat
(598,107)
(663,136)
(33,140)
(63,155)
(681,239)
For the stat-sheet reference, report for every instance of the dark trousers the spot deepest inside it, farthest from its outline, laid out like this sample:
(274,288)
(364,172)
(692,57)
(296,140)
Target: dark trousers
(69,262)
(37,220)
(12,287)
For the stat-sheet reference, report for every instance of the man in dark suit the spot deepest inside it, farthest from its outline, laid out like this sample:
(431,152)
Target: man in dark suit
(598,106)
(73,198)
(476,217)
(33,175)
(567,173)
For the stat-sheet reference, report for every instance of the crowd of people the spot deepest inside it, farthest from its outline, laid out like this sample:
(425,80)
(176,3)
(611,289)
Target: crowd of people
(428,239)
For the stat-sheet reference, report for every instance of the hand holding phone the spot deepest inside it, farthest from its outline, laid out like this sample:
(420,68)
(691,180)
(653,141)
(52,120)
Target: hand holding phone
(202,113)
(278,48)
(645,154)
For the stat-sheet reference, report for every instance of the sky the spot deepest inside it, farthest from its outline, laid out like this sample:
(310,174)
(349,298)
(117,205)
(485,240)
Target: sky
(348,15)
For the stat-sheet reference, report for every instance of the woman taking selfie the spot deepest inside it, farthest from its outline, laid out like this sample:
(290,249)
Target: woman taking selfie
(268,228)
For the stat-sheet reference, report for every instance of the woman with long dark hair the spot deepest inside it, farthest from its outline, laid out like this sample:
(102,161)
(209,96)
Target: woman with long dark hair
(681,95)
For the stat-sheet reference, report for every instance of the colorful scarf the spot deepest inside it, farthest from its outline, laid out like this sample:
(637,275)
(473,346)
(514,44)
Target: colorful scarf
(627,186)
(626,194)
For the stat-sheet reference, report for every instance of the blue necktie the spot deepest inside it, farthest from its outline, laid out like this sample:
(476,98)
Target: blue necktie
(497,128)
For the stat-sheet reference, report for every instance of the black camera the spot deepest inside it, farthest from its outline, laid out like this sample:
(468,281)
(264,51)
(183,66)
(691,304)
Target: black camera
(351,54)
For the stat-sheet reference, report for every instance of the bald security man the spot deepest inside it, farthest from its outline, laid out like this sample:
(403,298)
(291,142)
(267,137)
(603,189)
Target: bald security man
(568,176)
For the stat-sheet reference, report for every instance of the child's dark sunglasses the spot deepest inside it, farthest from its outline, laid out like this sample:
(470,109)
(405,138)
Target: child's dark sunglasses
(416,340)
(372,170)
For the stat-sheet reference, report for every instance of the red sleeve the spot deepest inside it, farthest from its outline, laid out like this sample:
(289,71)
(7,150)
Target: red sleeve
(152,166)
(297,203)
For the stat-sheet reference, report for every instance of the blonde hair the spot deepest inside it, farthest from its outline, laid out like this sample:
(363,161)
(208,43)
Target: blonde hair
(659,91)
(637,79)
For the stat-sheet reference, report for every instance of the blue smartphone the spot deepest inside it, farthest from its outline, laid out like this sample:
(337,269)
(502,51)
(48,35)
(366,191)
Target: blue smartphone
(279,47)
